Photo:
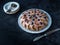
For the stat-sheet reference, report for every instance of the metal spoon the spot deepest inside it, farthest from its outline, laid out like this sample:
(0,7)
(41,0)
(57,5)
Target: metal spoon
(46,34)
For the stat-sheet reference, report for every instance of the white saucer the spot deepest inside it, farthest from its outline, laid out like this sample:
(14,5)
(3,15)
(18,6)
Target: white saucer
(11,7)
(40,31)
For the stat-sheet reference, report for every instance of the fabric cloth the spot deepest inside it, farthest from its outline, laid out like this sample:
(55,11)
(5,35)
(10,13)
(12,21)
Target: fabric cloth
(12,34)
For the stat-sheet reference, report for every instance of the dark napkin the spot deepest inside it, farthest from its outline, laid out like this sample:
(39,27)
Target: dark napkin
(12,34)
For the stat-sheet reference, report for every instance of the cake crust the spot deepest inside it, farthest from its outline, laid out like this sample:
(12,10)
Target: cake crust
(34,19)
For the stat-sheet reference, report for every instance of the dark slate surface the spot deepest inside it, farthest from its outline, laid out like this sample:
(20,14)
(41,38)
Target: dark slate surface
(11,34)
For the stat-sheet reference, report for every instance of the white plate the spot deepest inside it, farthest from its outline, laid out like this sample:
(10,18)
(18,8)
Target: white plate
(40,31)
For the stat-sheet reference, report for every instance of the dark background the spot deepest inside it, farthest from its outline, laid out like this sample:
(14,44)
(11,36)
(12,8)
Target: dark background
(10,32)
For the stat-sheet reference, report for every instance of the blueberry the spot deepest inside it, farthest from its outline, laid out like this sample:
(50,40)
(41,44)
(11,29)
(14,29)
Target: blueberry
(32,23)
(41,12)
(25,25)
(24,15)
(33,19)
(38,19)
(40,16)
(25,20)
(37,14)
(29,12)
(33,15)
(30,17)
(45,17)
(41,23)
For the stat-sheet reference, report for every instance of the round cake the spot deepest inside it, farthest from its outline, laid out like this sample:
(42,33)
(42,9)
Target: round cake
(34,19)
